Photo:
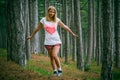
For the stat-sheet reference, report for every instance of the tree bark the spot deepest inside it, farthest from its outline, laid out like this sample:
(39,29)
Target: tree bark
(98,34)
(94,31)
(33,5)
(117,33)
(106,71)
(74,30)
(66,35)
(77,18)
(27,24)
(90,35)
(16,31)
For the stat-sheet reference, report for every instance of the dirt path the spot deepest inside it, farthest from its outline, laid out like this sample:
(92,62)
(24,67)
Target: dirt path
(11,71)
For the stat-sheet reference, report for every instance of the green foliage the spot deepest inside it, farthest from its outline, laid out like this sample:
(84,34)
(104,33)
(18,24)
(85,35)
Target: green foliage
(43,68)
(2,1)
(84,13)
(39,70)
(116,74)
(87,67)
(91,78)
(3,33)
(3,53)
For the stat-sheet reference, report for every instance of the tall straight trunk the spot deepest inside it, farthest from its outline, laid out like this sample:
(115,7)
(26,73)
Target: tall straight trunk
(33,23)
(94,31)
(74,30)
(98,36)
(77,18)
(66,33)
(28,49)
(42,32)
(85,41)
(60,29)
(45,6)
(117,32)
(62,32)
(106,70)
(90,36)
(16,31)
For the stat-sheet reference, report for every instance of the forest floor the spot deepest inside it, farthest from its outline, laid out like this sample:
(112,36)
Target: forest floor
(39,68)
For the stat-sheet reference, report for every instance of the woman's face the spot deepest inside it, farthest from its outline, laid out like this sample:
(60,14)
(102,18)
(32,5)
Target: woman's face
(51,13)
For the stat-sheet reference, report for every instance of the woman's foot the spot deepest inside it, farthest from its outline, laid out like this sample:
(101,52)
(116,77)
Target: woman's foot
(55,73)
(59,72)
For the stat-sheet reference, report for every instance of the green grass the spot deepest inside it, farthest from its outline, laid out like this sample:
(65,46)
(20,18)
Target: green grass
(3,53)
(87,78)
(39,70)
(94,68)
(35,67)
(116,74)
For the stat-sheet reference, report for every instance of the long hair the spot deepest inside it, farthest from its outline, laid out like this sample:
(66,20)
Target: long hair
(47,15)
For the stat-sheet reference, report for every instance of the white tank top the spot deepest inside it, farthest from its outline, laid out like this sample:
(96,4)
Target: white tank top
(51,34)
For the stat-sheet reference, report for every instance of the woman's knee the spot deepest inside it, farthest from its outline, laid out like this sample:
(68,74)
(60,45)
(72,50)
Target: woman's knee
(54,56)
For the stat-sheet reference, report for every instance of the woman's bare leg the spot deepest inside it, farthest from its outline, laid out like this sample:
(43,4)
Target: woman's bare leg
(57,60)
(52,59)
(55,51)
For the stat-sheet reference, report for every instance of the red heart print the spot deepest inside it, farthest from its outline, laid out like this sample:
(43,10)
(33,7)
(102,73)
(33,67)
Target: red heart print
(50,29)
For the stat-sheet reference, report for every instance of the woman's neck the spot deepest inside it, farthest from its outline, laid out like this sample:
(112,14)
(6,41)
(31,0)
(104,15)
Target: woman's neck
(50,19)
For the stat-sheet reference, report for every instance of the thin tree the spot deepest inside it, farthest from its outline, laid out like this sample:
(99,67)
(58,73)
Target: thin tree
(94,31)
(90,35)
(27,24)
(33,23)
(77,18)
(74,30)
(98,34)
(66,44)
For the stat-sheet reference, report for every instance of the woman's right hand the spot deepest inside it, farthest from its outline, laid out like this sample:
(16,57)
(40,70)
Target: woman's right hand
(29,37)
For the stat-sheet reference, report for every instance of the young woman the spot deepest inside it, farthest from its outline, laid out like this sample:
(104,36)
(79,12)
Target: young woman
(52,40)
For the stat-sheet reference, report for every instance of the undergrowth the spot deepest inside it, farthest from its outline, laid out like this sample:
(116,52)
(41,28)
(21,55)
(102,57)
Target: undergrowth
(42,66)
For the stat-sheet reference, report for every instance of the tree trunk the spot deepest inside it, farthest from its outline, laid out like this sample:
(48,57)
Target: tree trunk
(90,36)
(98,36)
(94,31)
(74,30)
(60,29)
(16,31)
(42,32)
(117,33)
(66,33)
(45,6)
(77,18)
(106,71)
(35,46)
(27,24)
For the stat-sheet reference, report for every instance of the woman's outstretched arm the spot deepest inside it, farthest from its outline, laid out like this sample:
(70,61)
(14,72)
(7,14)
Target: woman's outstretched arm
(61,24)
(35,30)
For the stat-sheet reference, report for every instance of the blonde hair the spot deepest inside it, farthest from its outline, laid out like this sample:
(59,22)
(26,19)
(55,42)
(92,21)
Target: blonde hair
(47,15)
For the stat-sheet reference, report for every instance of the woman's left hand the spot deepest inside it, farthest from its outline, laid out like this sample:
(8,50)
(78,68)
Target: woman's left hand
(75,36)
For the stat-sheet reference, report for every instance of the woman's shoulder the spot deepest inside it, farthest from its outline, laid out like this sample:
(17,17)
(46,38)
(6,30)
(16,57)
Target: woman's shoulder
(43,18)
(58,19)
